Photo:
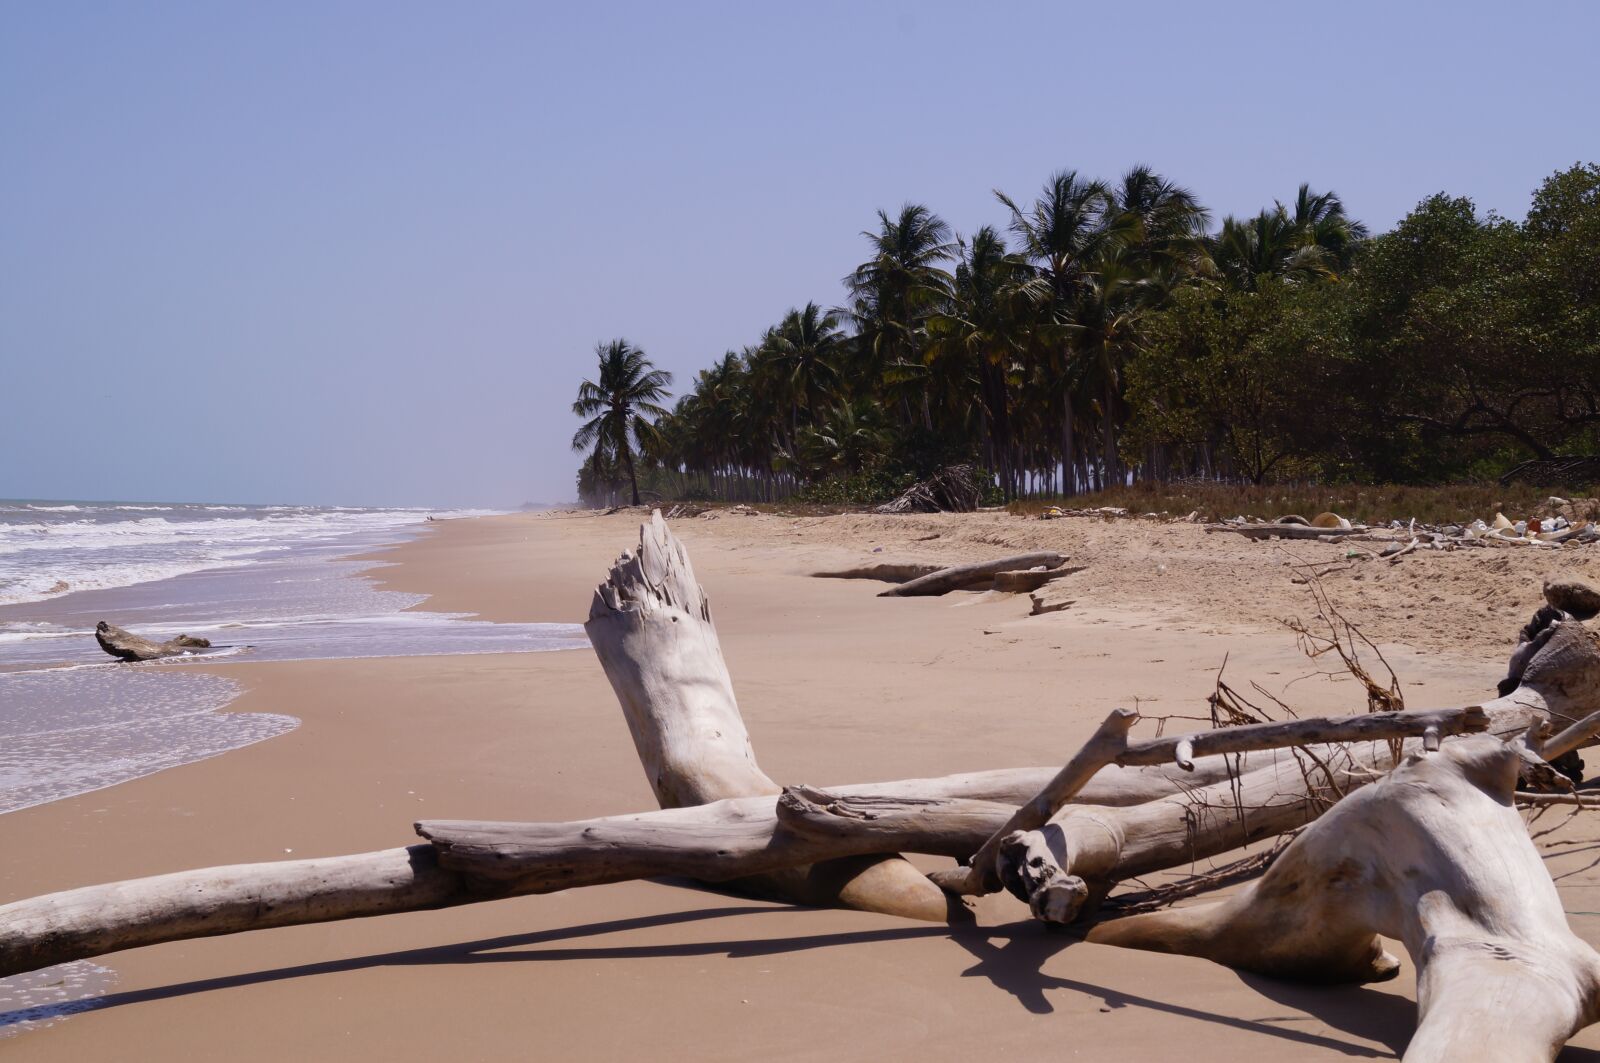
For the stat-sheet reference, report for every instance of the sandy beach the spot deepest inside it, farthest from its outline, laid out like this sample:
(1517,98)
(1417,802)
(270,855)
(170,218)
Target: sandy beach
(836,685)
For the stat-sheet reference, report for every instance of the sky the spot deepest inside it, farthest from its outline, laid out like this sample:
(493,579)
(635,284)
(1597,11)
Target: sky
(360,253)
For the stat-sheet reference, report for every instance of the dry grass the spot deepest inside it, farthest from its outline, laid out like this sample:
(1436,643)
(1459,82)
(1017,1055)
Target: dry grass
(1368,504)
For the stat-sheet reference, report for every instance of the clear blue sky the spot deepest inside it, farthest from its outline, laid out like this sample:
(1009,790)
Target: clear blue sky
(361,252)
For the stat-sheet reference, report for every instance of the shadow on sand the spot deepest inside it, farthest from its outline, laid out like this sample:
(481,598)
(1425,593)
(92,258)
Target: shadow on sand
(1012,957)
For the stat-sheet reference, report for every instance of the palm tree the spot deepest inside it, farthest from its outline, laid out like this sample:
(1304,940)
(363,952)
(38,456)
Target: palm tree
(849,437)
(978,331)
(1159,223)
(892,292)
(1108,316)
(1321,219)
(800,354)
(1158,231)
(1062,233)
(1318,239)
(629,391)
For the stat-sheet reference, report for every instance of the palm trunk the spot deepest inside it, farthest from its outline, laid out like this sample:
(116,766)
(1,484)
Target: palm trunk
(1069,483)
(1108,417)
(633,480)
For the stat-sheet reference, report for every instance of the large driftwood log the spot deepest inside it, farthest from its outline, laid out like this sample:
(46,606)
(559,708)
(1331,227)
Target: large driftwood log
(95,920)
(650,624)
(124,645)
(1436,856)
(469,862)
(957,576)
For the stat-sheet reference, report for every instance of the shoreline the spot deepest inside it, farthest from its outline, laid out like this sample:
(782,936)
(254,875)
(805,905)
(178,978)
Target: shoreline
(905,688)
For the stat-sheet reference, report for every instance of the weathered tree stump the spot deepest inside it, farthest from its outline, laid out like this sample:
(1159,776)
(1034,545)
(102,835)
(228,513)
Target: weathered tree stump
(126,646)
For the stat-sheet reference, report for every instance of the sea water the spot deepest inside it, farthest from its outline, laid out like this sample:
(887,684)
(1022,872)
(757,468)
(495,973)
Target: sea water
(262,583)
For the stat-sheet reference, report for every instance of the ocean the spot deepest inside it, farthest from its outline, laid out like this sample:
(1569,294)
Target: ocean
(262,583)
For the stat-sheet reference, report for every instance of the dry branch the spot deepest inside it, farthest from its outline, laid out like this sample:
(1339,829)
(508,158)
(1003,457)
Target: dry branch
(1108,742)
(986,870)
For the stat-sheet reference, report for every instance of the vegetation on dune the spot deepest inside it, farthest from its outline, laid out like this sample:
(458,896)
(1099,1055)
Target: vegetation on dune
(1107,338)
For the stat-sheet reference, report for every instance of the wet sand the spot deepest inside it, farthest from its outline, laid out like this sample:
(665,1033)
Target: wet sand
(836,685)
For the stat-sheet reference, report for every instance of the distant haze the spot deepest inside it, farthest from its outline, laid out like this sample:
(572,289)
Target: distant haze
(360,253)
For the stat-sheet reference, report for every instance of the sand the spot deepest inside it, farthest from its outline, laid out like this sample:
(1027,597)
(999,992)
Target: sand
(836,685)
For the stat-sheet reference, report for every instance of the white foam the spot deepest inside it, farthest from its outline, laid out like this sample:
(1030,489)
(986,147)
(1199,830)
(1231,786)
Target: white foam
(120,545)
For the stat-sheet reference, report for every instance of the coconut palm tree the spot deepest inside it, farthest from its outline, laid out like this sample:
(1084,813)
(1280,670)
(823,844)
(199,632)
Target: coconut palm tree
(977,334)
(1158,223)
(799,355)
(892,292)
(1322,222)
(850,435)
(621,406)
(1062,233)
(1316,239)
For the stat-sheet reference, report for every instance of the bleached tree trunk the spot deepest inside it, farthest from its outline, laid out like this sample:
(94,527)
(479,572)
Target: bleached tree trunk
(465,863)
(1435,856)
(650,624)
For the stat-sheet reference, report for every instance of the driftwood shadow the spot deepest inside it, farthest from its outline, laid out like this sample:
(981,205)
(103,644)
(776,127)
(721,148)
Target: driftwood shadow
(1012,957)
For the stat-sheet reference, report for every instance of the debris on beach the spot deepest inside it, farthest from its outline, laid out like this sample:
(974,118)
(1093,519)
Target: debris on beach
(1558,522)
(1048,599)
(953,489)
(126,646)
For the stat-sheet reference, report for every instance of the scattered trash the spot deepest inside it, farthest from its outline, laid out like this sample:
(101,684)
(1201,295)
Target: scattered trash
(1560,522)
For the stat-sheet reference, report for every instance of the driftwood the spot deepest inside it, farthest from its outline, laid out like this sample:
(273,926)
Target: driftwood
(1063,868)
(1285,531)
(1048,600)
(650,625)
(1109,745)
(1031,579)
(770,837)
(1458,894)
(126,646)
(953,489)
(1572,596)
(95,920)
(884,571)
(1435,856)
(949,579)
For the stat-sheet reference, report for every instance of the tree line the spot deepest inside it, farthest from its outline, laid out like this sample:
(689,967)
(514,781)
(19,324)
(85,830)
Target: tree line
(1109,334)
